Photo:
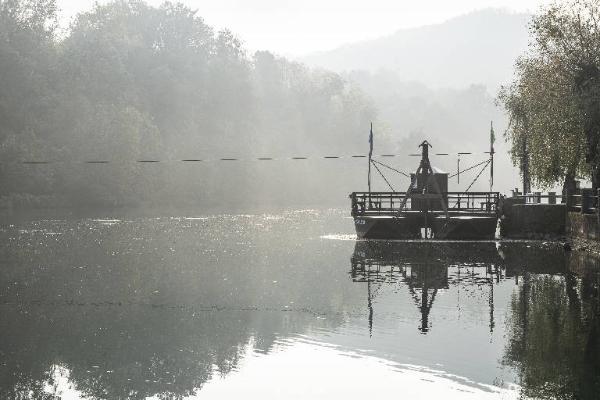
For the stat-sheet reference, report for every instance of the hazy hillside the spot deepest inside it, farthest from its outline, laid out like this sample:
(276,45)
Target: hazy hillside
(479,47)
(453,120)
(439,83)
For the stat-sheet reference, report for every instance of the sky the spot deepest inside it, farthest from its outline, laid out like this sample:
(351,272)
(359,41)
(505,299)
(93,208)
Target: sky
(298,27)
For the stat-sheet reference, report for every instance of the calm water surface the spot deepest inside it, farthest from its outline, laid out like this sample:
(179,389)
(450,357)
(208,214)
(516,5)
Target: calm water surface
(288,306)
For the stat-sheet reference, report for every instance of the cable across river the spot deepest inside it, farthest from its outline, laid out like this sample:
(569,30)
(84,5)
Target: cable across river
(210,159)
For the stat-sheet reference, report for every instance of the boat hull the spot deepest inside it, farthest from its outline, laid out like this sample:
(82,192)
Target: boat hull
(387,227)
(465,228)
(411,227)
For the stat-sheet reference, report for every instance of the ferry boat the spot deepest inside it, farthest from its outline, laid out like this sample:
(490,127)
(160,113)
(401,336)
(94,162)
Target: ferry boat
(427,210)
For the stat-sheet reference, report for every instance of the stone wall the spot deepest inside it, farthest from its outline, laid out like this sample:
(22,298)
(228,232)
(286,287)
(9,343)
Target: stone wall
(521,220)
(533,221)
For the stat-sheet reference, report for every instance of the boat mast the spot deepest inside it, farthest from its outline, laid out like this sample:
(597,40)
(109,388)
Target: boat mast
(492,140)
(370,156)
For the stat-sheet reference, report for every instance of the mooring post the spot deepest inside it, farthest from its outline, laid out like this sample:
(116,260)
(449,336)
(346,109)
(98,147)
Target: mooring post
(537,197)
(568,200)
(551,197)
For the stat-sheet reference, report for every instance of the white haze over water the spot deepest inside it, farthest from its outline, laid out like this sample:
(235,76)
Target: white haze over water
(296,28)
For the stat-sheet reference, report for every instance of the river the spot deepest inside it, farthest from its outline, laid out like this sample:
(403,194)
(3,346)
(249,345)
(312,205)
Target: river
(288,306)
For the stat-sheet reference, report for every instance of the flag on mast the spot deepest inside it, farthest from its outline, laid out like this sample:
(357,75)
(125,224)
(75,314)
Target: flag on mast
(371,141)
(492,137)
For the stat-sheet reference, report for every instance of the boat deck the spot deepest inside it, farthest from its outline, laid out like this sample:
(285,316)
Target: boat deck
(451,215)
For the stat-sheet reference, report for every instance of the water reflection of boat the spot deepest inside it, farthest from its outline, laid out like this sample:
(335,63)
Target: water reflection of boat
(423,268)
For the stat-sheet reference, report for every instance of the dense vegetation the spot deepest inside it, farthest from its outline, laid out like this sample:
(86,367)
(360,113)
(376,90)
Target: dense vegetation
(554,102)
(129,81)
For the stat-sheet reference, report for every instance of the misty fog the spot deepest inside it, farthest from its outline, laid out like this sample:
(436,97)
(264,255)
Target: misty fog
(130,82)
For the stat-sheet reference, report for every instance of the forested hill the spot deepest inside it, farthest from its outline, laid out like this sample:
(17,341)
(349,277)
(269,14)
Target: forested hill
(129,82)
(477,48)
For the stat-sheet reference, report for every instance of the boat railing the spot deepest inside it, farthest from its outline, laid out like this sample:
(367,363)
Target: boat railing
(387,203)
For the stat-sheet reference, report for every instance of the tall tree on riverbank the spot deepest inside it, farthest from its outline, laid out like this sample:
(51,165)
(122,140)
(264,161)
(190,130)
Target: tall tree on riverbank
(554,101)
(546,129)
(28,59)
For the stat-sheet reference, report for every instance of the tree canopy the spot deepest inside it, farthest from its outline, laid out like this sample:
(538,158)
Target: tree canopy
(554,101)
(129,81)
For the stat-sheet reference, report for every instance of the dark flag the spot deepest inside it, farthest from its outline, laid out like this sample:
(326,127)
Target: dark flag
(371,141)
(492,137)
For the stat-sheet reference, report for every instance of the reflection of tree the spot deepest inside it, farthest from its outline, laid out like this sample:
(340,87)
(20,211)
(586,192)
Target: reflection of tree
(553,336)
(121,351)
(156,316)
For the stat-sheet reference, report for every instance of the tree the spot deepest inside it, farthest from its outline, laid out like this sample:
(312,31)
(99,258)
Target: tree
(130,81)
(554,102)
(568,34)
(27,71)
(545,126)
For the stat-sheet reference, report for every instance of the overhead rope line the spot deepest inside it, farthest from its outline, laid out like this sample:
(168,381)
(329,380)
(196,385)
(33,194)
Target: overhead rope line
(206,160)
